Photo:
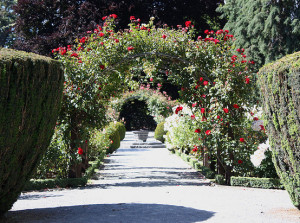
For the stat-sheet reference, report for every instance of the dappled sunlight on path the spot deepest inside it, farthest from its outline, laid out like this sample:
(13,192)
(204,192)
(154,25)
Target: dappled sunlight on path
(152,185)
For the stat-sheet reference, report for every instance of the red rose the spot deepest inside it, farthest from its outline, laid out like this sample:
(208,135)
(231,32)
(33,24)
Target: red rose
(164,36)
(114,16)
(201,79)
(80,151)
(255,119)
(197,130)
(236,106)
(82,40)
(240,161)
(102,67)
(103,18)
(151,79)
(194,105)
(242,140)
(225,110)
(74,55)
(205,83)
(206,32)
(195,149)
(202,110)
(132,18)
(188,23)
(130,48)
(208,132)
(117,40)
(247,80)
(218,117)
(101,34)
(193,117)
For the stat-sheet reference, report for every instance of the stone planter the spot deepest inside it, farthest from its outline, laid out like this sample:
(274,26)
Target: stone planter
(141,135)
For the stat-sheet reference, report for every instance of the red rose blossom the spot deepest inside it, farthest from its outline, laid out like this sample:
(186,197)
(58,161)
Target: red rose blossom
(255,119)
(132,18)
(242,140)
(226,110)
(113,16)
(130,48)
(188,23)
(202,110)
(164,36)
(205,83)
(240,161)
(80,151)
(197,130)
(102,67)
(236,106)
(208,132)
(193,117)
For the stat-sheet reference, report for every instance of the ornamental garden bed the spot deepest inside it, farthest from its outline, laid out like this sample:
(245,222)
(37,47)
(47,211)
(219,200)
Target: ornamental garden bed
(265,183)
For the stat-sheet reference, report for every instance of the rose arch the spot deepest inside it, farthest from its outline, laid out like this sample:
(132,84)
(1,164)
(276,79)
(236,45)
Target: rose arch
(214,78)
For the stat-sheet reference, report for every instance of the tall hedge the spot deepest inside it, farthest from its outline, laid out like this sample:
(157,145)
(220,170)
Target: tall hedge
(30,97)
(280,87)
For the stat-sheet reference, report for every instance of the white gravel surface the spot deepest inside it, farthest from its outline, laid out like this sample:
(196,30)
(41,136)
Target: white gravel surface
(152,185)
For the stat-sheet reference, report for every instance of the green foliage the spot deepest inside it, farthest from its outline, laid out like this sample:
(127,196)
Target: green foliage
(66,182)
(114,137)
(7,20)
(30,97)
(99,141)
(41,184)
(220,179)
(266,183)
(56,161)
(160,132)
(121,128)
(280,87)
(267,29)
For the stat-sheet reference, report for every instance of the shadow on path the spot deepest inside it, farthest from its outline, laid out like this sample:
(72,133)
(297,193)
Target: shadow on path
(132,212)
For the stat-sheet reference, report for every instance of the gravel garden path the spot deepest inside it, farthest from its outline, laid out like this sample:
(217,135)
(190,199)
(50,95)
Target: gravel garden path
(152,185)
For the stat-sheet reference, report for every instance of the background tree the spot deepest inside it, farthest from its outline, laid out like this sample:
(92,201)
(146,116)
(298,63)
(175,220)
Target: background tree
(267,29)
(7,20)
(44,25)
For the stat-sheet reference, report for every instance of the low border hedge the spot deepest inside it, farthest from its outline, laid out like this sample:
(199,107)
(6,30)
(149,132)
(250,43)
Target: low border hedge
(266,183)
(41,184)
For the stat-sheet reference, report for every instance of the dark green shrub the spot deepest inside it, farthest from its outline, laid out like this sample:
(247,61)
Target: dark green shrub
(266,183)
(30,96)
(114,136)
(220,179)
(160,132)
(121,128)
(280,87)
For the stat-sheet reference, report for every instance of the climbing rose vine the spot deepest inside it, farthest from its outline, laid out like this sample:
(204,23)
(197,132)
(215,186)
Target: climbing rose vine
(216,79)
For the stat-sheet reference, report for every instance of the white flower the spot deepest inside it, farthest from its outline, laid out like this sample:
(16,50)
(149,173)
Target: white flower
(259,154)
(257,157)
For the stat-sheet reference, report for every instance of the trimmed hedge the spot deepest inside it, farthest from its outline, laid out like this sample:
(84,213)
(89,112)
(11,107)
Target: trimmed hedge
(114,136)
(160,132)
(121,128)
(266,183)
(68,182)
(280,87)
(30,98)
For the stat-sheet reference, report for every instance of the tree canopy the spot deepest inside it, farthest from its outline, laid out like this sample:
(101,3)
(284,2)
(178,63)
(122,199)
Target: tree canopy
(44,25)
(267,29)
(7,20)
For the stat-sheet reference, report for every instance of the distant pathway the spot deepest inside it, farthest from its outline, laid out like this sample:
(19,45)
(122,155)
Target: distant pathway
(152,185)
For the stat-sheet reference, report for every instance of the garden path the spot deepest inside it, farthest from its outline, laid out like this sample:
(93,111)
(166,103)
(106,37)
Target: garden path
(152,185)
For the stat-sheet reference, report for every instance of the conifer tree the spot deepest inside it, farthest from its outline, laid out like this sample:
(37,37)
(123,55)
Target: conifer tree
(267,29)
(7,19)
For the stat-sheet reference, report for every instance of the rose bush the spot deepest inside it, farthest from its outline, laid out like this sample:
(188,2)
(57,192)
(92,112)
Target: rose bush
(215,78)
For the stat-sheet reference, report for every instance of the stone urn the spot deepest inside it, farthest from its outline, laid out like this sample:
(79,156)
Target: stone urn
(141,135)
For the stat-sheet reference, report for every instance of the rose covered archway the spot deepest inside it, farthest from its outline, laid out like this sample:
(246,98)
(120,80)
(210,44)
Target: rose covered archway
(215,79)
